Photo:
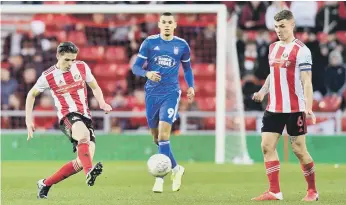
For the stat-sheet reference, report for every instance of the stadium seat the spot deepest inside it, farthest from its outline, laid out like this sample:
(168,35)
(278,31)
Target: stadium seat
(209,123)
(92,53)
(204,71)
(59,2)
(206,104)
(343,126)
(322,37)
(109,87)
(5,65)
(315,105)
(110,71)
(60,35)
(108,98)
(130,102)
(250,123)
(273,36)
(341,36)
(251,35)
(78,37)
(208,88)
(138,121)
(302,36)
(318,120)
(330,103)
(116,54)
(211,18)
(54,20)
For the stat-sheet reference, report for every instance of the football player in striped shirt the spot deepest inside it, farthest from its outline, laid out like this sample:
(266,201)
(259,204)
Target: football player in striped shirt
(67,83)
(290,101)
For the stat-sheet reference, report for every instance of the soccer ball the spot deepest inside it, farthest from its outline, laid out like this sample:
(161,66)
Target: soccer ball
(159,165)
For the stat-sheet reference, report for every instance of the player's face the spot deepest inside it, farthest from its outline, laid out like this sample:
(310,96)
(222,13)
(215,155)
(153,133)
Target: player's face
(167,25)
(284,29)
(66,60)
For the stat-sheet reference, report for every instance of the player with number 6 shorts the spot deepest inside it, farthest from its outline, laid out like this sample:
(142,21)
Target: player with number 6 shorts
(289,103)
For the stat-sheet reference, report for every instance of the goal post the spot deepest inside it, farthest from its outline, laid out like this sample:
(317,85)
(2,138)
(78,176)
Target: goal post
(225,59)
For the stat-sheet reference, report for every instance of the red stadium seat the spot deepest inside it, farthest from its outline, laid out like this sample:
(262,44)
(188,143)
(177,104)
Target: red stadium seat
(209,123)
(251,35)
(108,98)
(273,36)
(109,87)
(206,104)
(59,2)
(208,88)
(318,120)
(54,20)
(93,53)
(315,105)
(60,35)
(138,121)
(302,36)
(322,37)
(250,123)
(330,103)
(77,37)
(211,18)
(131,102)
(343,124)
(116,54)
(111,71)
(341,36)
(204,71)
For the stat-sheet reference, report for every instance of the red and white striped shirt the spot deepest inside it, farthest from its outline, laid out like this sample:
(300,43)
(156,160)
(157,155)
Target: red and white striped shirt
(286,94)
(67,88)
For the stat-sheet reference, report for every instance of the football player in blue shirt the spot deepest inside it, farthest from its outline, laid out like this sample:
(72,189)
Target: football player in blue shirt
(164,52)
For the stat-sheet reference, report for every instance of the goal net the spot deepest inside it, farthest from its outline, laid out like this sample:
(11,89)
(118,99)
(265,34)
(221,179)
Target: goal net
(109,37)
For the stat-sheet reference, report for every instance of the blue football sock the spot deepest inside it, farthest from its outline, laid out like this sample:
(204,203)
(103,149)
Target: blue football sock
(165,148)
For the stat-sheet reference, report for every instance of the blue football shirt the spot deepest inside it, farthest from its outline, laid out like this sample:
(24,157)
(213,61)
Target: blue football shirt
(164,57)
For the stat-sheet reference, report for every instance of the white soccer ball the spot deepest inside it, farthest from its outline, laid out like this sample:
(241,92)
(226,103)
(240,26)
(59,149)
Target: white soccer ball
(159,165)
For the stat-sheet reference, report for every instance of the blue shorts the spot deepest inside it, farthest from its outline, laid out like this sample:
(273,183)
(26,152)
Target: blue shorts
(159,108)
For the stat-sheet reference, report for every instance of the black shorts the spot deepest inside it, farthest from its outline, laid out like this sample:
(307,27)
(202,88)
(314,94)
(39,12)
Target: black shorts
(275,122)
(66,127)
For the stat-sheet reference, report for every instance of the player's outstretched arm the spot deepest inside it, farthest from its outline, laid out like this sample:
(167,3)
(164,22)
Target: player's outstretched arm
(305,77)
(29,105)
(258,96)
(99,96)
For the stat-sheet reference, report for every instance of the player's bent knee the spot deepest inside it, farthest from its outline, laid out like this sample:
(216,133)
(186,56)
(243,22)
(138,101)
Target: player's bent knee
(299,150)
(267,147)
(80,132)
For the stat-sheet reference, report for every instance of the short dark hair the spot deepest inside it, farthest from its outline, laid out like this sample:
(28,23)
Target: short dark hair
(284,14)
(167,14)
(67,47)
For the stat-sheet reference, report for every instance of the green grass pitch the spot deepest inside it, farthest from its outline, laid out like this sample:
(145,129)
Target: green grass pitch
(204,184)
